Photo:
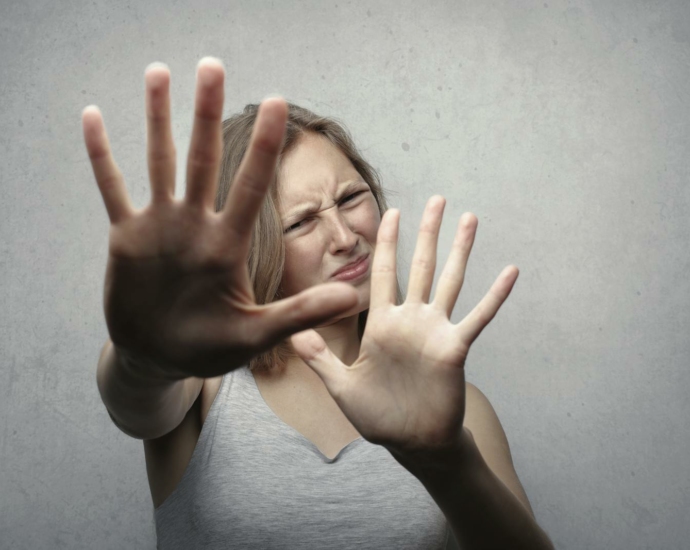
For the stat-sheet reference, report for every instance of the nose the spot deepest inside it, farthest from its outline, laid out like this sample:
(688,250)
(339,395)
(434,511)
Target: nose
(340,234)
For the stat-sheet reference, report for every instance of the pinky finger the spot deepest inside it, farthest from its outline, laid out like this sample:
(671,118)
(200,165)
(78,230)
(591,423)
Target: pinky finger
(108,175)
(476,321)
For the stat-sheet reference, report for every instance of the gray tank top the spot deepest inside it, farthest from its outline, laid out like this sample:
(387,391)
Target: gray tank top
(255,482)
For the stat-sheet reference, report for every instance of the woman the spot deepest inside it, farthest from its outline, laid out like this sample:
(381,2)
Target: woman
(261,348)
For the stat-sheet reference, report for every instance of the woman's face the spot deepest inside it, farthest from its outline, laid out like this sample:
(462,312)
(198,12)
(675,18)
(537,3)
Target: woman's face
(341,222)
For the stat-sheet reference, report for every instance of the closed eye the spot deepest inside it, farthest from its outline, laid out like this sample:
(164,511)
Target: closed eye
(346,199)
(350,196)
(296,225)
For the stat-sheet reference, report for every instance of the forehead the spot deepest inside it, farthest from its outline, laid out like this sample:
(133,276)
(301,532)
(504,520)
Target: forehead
(313,170)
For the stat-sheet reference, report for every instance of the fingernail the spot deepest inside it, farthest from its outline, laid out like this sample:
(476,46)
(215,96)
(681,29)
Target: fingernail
(209,59)
(207,78)
(91,108)
(154,65)
(271,96)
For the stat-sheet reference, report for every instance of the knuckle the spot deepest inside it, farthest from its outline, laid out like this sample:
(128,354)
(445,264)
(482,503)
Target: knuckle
(251,182)
(157,114)
(162,156)
(109,182)
(202,156)
(383,268)
(300,310)
(264,145)
(98,151)
(206,112)
(423,263)
(484,315)
(452,276)
(158,88)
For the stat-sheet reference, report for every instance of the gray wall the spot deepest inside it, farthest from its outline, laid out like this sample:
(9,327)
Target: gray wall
(563,126)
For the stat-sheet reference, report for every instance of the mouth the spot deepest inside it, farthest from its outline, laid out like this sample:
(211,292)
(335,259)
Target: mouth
(352,270)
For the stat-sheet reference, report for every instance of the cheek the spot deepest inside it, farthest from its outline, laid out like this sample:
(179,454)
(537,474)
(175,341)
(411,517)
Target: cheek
(300,260)
(372,221)
(365,219)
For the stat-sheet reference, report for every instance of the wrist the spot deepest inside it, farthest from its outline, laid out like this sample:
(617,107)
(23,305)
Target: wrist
(429,464)
(141,368)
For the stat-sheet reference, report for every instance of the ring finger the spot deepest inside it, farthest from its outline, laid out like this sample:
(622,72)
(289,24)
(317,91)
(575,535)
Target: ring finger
(453,275)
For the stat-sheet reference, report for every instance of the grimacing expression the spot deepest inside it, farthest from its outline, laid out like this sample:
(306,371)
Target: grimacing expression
(329,217)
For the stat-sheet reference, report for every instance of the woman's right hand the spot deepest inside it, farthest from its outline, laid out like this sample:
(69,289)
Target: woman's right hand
(177,290)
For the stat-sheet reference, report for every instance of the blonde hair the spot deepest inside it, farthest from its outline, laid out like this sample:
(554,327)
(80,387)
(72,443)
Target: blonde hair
(266,259)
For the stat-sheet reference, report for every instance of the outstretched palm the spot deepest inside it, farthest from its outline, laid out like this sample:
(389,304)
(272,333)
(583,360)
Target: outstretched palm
(177,290)
(406,390)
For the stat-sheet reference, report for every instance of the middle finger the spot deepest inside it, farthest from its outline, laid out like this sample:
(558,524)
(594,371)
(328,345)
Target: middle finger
(424,259)
(159,142)
(203,160)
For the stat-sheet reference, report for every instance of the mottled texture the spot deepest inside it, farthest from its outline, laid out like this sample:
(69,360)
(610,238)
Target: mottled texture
(254,482)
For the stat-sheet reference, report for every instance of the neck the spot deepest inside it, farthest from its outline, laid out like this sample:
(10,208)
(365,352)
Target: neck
(342,339)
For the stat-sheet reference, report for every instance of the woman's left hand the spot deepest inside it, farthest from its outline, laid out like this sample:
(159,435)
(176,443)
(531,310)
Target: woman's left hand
(406,390)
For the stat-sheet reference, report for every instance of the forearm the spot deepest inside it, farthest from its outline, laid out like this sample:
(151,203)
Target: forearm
(141,405)
(483,513)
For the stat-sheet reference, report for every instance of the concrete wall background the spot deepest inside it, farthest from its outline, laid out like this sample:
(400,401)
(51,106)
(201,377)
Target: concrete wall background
(562,125)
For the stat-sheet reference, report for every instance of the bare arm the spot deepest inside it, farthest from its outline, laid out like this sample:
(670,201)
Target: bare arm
(140,404)
(167,305)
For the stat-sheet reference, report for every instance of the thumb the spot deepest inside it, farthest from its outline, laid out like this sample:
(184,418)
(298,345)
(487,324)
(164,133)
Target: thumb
(314,351)
(308,309)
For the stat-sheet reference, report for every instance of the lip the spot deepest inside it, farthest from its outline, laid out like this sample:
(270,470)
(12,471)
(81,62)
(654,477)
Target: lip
(353,269)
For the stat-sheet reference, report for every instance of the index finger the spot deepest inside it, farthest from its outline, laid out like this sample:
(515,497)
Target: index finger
(384,282)
(256,170)
(108,176)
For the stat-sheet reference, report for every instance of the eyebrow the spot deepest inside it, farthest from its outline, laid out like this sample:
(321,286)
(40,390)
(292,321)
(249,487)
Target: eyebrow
(309,208)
